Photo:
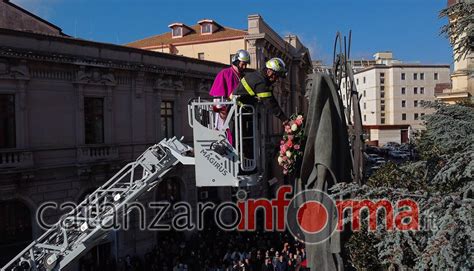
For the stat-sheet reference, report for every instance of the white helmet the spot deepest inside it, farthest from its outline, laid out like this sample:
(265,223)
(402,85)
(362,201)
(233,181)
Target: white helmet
(241,55)
(277,65)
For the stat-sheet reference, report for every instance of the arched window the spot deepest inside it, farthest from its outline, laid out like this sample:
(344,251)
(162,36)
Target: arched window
(15,229)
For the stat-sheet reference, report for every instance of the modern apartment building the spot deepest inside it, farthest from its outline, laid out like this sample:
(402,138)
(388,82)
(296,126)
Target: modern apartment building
(392,94)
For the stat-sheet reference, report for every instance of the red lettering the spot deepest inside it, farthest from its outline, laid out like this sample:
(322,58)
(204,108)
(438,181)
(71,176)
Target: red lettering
(252,207)
(412,214)
(241,205)
(281,203)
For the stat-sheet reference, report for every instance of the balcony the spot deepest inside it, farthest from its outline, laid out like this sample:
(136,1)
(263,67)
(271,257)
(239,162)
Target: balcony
(12,159)
(96,153)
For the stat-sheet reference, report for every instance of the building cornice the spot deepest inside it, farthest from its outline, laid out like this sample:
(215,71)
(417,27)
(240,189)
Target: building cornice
(403,66)
(99,45)
(269,38)
(457,94)
(29,53)
(100,63)
(270,32)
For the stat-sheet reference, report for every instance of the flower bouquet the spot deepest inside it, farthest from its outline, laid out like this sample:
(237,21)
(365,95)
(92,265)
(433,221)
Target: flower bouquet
(292,144)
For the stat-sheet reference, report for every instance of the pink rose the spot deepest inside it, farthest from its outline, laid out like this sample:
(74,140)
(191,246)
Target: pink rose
(289,143)
(283,148)
(285,158)
(282,142)
(298,122)
(291,137)
(297,147)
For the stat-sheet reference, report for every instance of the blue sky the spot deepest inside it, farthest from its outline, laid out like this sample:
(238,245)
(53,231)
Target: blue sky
(409,28)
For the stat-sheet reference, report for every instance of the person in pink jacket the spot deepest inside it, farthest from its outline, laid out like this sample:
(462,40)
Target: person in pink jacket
(224,85)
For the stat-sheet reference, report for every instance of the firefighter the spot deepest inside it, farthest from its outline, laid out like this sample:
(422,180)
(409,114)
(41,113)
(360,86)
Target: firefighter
(257,87)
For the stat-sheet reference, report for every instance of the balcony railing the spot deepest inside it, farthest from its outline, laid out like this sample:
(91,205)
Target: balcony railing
(15,159)
(96,153)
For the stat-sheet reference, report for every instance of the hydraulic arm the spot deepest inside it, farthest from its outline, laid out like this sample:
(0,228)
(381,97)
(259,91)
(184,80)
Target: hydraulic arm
(82,228)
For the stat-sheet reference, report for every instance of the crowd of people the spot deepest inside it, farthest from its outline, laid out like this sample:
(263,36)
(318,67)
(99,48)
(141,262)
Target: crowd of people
(216,250)
(212,250)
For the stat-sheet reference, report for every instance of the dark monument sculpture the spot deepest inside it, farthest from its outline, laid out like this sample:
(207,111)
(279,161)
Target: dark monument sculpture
(333,153)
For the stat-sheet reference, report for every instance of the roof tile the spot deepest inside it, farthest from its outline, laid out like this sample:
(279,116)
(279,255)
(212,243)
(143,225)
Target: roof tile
(193,36)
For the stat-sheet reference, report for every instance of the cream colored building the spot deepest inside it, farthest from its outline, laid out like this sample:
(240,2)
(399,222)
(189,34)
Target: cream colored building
(462,78)
(392,93)
(209,40)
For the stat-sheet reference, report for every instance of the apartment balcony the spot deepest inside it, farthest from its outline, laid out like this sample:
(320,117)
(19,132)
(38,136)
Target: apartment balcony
(15,159)
(96,153)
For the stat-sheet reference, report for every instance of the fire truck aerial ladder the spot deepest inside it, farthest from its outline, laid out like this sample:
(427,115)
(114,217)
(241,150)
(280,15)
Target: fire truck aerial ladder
(82,228)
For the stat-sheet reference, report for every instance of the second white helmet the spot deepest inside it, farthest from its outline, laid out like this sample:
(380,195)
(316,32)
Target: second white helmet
(277,65)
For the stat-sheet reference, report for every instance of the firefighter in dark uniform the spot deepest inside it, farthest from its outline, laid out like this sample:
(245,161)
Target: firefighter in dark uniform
(257,88)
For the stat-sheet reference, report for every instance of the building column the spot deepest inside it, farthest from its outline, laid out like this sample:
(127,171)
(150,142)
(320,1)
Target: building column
(109,136)
(180,107)
(157,115)
(21,111)
(254,55)
(80,140)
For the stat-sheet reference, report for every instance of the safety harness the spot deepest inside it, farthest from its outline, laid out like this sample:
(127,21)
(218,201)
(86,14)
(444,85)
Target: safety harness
(252,93)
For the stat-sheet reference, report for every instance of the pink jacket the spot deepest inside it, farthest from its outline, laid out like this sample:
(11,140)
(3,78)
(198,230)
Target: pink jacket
(225,83)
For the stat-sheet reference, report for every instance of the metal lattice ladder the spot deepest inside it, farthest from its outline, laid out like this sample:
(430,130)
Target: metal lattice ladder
(80,229)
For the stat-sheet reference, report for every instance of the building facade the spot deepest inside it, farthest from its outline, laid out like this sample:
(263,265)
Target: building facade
(462,78)
(392,94)
(14,17)
(73,112)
